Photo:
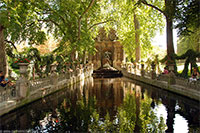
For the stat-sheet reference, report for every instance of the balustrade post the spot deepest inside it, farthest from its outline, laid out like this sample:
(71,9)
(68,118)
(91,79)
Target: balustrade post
(131,68)
(172,77)
(90,69)
(54,77)
(142,70)
(22,85)
(127,67)
(78,75)
(153,72)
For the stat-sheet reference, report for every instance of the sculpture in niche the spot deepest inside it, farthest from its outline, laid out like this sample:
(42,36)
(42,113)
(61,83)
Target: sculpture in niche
(107,56)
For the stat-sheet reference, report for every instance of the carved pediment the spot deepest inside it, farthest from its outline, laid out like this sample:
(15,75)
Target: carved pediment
(102,35)
(112,35)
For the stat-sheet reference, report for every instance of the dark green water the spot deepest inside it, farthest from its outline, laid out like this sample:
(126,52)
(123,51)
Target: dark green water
(107,105)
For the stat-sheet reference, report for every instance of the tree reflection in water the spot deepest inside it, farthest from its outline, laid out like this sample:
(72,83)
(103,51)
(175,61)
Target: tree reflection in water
(84,117)
(106,105)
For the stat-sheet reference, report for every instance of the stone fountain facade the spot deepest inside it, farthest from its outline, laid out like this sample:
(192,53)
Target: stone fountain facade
(109,50)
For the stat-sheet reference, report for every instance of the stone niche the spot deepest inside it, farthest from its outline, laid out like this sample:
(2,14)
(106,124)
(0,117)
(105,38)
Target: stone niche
(109,50)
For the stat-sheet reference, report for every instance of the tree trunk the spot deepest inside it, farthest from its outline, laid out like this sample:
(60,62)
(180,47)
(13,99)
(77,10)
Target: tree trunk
(169,30)
(137,39)
(198,46)
(3,62)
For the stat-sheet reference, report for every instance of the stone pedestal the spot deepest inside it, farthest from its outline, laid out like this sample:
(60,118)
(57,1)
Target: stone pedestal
(172,78)
(22,83)
(153,75)
(54,78)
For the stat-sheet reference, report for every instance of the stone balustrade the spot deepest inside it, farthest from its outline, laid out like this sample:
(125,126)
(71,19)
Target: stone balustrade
(35,88)
(166,81)
(8,93)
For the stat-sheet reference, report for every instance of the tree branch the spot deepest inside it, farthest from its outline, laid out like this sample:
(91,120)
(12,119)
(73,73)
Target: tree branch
(79,20)
(155,7)
(54,22)
(11,43)
(98,24)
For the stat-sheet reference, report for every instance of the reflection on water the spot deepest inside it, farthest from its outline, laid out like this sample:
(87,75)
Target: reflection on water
(107,105)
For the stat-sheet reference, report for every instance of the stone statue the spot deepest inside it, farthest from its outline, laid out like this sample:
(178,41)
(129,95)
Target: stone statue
(107,56)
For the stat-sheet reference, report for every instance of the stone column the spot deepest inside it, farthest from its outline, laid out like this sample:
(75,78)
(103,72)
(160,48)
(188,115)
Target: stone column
(22,84)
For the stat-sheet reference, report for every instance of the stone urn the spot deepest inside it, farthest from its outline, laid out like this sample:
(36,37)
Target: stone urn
(23,68)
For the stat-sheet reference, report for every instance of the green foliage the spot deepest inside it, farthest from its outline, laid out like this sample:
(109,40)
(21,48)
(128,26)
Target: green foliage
(186,42)
(82,116)
(20,22)
(148,119)
(78,118)
(61,17)
(124,16)
(190,57)
(127,114)
(16,58)
(187,16)
(60,62)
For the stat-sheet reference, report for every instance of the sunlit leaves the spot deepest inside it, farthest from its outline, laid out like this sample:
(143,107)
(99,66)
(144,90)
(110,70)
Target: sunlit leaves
(187,16)
(150,21)
(189,42)
(21,22)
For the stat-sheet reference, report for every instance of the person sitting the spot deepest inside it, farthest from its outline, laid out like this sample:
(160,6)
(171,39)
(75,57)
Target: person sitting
(195,75)
(165,71)
(4,81)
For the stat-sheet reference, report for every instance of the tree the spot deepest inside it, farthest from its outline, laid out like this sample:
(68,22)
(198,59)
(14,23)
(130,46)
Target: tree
(18,23)
(71,22)
(135,26)
(185,12)
(191,41)
(188,17)
(168,10)
(190,57)
(137,39)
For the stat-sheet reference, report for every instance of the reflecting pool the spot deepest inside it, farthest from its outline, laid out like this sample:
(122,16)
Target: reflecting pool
(107,105)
